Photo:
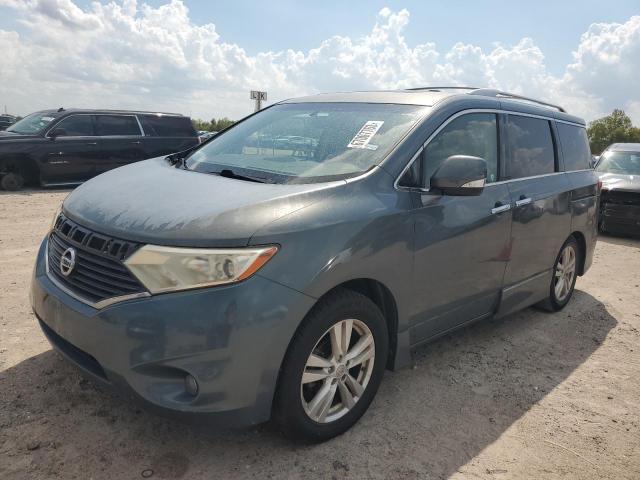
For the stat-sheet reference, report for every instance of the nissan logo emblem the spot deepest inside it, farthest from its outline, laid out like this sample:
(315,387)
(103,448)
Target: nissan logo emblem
(68,261)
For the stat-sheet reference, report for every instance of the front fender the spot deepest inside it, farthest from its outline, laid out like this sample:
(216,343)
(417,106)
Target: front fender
(354,234)
(18,155)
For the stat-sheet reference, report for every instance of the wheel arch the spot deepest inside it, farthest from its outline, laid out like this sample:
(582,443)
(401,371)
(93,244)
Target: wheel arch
(582,244)
(379,294)
(19,163)
(382,297)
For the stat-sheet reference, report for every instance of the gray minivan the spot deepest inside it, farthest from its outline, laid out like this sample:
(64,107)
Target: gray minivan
(278,269)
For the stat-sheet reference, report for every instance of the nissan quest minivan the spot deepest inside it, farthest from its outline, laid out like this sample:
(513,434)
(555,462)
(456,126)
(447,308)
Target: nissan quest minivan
(277,270)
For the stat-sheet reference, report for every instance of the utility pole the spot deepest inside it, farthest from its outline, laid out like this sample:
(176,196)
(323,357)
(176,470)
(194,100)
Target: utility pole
(259,97)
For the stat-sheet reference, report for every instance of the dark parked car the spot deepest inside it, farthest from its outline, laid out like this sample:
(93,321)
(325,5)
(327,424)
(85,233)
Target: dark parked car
(6,121)
(59,147)
(619,169)
(248,280)
(205,135)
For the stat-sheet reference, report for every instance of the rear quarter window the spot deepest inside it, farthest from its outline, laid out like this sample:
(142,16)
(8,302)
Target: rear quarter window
(530,147)
(575,147)
(167,126)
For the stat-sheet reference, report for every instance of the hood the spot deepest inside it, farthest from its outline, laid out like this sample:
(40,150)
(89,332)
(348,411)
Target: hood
(616,181)
(4,135)
(154,202)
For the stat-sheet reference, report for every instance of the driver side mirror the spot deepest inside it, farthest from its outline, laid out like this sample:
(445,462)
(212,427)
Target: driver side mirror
(462,175)
(57,132)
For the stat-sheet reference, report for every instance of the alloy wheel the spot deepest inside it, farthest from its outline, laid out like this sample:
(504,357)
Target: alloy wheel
(337,371)
(565,273)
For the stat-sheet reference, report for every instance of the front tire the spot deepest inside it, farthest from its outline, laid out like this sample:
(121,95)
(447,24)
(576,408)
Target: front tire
(333,368)
(12,181)
(565,273)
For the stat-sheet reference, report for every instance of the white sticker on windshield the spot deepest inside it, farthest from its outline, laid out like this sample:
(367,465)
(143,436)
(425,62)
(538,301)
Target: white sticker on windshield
(47,119)
(366,133)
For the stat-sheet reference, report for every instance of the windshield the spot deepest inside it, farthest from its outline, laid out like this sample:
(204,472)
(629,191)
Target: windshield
(308,142)
(33,123)
(625,163)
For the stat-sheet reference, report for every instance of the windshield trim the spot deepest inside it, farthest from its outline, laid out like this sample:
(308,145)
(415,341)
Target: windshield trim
(346,177)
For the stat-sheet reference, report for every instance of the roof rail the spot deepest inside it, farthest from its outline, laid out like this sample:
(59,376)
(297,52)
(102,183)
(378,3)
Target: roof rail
(491,92)
(442,88)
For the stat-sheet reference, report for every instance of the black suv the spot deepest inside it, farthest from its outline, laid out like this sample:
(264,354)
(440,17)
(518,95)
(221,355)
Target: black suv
(57,147)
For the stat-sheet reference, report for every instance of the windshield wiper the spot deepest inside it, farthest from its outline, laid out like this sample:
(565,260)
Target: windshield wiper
(177,162)
(179,159)
(228,173)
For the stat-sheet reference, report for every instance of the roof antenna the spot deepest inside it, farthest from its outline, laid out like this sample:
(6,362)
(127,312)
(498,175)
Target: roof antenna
(61,109)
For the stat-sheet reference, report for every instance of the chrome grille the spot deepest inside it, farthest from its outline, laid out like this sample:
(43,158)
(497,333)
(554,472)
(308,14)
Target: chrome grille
(99,272)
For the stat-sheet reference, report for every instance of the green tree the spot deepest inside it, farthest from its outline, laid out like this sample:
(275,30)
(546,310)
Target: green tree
(221,124)
(212,126)
(200,124)
(613,128)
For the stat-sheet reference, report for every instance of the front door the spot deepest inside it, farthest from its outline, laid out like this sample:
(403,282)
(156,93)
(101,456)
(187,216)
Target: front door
(461,243)
(70,152)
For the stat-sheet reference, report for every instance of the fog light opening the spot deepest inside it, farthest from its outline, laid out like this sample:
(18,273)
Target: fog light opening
(191,385)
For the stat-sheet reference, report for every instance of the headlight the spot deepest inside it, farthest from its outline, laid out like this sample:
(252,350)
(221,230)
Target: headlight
(163,269)
(55,217)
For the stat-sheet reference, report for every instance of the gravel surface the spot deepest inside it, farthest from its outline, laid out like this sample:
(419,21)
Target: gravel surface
(533,395)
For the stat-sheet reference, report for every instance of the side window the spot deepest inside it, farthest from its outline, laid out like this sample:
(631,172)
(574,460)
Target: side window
(530,147)
(76,126)
(117,125)
(474,134)
(167,126)
(575,147)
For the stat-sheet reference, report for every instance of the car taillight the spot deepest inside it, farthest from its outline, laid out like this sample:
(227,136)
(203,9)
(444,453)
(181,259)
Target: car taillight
(599,185)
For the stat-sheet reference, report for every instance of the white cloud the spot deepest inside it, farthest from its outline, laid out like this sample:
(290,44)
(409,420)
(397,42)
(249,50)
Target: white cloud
(125,54)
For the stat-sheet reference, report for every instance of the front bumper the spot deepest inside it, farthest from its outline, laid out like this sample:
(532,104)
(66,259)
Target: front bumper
(232,339)
(618,218)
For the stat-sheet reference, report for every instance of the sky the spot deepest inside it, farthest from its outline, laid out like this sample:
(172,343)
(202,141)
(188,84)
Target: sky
(201,58)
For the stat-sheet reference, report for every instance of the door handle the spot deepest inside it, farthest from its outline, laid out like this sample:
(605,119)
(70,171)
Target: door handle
(91,143)
(136,143)
(523,201)
(500,208)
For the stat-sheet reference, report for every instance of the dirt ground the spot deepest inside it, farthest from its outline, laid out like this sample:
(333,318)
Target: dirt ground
(533,395)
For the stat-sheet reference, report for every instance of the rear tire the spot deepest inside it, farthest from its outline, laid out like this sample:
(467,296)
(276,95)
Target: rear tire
(12,181)
(565,273)
(333,368)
